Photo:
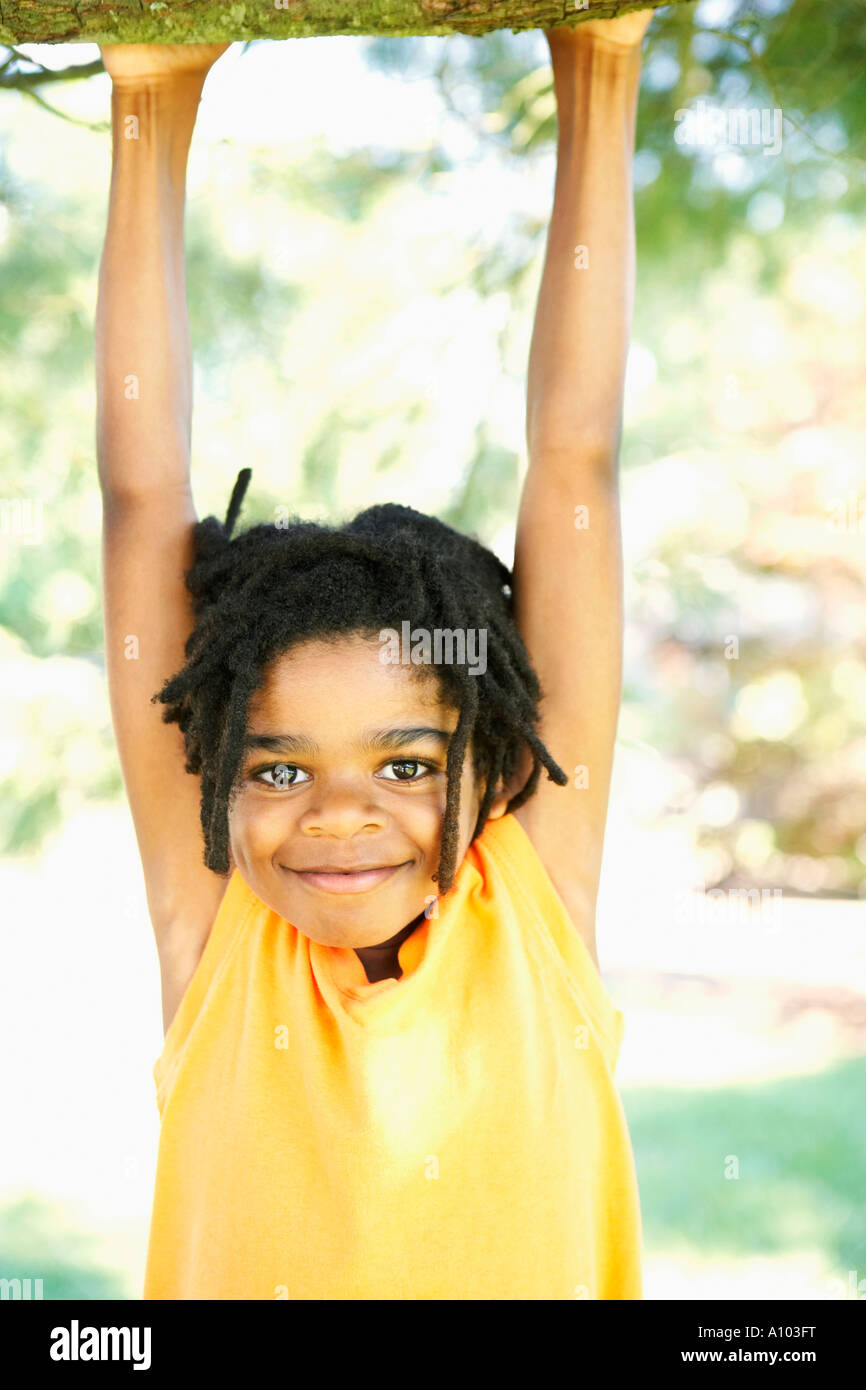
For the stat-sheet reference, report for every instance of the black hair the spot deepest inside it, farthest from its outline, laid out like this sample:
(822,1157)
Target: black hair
(259,593)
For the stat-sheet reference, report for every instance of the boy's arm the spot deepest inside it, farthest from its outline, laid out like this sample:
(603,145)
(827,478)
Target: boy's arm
(143,364)
(583,318)
(143,381)
(568,565)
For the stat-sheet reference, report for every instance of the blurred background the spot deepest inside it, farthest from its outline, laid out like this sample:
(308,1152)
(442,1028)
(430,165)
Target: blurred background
(365,233)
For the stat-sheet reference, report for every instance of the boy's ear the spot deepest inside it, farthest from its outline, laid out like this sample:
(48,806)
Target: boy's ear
(498,804)
(506,790)
(520,776)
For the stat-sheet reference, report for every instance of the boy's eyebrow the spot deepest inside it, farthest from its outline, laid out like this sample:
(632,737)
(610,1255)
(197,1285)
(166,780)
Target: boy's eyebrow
(373,740)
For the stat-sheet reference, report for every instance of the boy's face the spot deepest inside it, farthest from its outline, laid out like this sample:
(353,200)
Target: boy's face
(332,800)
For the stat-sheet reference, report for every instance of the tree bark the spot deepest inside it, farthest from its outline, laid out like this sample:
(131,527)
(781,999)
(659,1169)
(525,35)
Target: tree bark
(209,21)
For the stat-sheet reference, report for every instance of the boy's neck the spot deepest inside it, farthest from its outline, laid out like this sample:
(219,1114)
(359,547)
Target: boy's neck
(380,962)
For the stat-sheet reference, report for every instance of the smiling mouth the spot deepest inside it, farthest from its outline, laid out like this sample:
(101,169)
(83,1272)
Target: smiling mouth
(346,880)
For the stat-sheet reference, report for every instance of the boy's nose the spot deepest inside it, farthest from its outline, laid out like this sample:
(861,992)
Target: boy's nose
(342,813)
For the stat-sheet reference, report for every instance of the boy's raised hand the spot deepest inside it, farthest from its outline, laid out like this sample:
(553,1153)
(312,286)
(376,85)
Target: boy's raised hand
(145,62)
(626,31)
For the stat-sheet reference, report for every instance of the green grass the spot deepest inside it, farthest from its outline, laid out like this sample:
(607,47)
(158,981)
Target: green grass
(801,1147)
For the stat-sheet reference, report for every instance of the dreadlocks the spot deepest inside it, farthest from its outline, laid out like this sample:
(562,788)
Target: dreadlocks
(271,587)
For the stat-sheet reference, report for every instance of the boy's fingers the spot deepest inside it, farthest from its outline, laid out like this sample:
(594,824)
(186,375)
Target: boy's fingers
(625,31)
(132,60)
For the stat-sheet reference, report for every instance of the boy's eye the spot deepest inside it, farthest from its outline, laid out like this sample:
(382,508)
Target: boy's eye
(407,763)
(283,774)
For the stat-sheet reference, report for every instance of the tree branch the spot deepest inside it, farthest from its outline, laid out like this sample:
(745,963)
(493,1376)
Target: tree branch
(208,21)
(22,81)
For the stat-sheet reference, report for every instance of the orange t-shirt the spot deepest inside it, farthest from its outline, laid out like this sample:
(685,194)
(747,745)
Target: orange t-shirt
(454,1134)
